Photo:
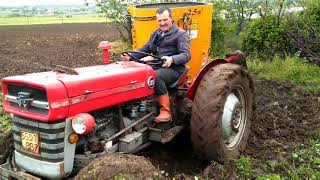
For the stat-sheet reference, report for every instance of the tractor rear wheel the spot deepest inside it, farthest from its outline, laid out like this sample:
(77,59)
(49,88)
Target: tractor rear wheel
(222,113)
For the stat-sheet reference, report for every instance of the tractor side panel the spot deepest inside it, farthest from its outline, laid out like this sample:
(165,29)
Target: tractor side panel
(90,102)
(103,86)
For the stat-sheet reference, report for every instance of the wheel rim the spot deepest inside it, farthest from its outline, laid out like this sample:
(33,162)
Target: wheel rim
(234,118)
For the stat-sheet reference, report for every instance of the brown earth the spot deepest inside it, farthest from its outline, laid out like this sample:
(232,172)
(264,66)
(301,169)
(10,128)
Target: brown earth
(36,48)
(287,117)
(117,164)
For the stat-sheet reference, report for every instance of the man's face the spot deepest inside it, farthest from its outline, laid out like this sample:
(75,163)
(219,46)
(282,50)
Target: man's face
(164,21)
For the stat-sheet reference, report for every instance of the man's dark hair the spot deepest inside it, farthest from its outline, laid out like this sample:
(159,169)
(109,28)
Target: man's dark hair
(160,10)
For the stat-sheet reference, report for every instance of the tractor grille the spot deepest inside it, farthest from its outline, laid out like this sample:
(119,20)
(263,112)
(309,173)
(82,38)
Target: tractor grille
(51,138)
(28,99)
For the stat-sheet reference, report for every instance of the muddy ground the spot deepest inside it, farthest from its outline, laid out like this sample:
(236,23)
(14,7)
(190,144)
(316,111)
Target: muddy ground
(26,49)
(287,117)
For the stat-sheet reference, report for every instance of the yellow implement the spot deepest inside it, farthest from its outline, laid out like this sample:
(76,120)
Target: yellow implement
(194,17)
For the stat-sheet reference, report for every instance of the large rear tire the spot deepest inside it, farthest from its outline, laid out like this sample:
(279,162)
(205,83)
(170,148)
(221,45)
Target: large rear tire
(222,112)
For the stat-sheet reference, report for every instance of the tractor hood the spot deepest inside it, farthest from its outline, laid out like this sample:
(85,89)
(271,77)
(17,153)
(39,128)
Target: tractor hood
(102,86)
(90,79)
(105,77)
(56,95)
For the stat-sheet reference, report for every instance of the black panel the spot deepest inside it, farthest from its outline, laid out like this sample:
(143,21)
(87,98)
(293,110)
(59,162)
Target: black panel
(37,94)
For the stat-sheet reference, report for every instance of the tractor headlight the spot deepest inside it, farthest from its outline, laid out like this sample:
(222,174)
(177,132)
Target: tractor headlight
(83,123)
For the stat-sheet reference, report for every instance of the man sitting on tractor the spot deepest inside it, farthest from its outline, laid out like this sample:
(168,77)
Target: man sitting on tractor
(172,44)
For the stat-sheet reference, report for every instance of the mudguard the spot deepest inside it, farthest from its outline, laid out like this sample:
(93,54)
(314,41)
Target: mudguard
(195,83)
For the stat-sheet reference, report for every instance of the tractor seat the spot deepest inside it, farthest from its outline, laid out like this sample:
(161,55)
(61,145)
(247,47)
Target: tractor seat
(180,81)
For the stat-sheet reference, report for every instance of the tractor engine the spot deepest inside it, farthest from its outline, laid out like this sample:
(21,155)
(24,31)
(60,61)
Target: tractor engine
(61,115)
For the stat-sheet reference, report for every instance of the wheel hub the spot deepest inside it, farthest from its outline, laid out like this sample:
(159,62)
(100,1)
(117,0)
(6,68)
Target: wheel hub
(233,119)
(236,119)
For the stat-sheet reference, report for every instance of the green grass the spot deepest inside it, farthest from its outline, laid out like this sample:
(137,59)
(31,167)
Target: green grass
(306,163)
(244,167)
(5,121)
(269,177)
(291,69)
(89,18)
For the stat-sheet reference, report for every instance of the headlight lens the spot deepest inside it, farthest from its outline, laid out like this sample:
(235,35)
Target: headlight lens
(78,126)
(83,123)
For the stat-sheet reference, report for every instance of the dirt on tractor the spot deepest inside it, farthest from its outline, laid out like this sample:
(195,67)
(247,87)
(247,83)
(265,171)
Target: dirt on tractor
(286,117)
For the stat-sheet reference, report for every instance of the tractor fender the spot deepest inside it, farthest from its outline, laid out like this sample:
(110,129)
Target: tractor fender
(194,85)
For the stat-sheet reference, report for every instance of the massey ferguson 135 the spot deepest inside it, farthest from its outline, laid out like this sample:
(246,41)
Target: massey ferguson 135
(64,119)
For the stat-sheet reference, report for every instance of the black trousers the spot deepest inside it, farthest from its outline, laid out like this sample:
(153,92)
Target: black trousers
(164,78)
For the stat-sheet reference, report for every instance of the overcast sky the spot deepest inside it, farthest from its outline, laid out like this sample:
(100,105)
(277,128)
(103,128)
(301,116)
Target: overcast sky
(40,2)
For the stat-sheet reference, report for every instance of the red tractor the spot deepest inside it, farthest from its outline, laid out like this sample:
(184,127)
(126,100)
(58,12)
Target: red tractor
(64,119)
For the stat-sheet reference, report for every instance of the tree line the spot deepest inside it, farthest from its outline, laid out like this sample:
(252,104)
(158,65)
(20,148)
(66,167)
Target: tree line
(41,10)
(270,28)
(261,28)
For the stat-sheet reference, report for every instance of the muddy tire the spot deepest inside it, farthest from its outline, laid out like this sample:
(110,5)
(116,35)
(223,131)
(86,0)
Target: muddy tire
(110,166)
(222,113)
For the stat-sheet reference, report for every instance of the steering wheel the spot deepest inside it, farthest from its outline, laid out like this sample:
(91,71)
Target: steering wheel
(157,61)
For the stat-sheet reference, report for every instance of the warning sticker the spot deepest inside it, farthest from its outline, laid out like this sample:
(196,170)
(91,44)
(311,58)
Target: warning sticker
(193,34)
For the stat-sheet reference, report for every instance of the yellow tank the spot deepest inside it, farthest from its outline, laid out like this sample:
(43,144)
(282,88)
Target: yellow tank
(194,17)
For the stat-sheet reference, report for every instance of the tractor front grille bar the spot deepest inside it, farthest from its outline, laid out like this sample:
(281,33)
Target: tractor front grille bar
(33,103)
(51,138)
(27,98)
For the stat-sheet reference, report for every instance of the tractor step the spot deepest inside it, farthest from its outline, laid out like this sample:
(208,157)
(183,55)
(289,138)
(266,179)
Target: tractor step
(169,134)
(164,136)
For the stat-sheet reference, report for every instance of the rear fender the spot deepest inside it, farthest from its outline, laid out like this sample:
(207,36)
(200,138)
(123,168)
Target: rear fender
(195,83)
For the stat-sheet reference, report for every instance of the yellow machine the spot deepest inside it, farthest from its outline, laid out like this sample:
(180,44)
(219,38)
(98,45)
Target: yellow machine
(194,17)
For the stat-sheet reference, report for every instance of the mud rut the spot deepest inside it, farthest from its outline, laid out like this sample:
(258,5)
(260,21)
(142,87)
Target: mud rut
(287,117)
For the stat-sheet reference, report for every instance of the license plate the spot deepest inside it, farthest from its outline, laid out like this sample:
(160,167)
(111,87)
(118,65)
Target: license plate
(30,142)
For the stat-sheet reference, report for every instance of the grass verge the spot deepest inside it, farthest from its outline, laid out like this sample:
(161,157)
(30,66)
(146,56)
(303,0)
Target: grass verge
(306,163)
(88,18)
(5,122)
(291,69)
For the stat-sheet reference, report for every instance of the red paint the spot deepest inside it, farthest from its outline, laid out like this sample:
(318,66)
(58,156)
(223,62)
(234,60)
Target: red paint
(93,88)
(95,79)
(87,119)
(105,46)
(232,59)
(55,92)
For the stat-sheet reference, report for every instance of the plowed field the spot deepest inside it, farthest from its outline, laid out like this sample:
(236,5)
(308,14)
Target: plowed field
(287,117)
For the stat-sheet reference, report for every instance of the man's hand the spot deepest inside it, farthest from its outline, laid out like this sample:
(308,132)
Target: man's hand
(125,57)
(168,61)
(147,58)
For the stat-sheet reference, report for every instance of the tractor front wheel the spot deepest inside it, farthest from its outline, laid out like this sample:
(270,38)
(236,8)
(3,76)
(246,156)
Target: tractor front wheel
(222,113)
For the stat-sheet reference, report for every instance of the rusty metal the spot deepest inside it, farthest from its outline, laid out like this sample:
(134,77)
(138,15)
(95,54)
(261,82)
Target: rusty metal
(130,126)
